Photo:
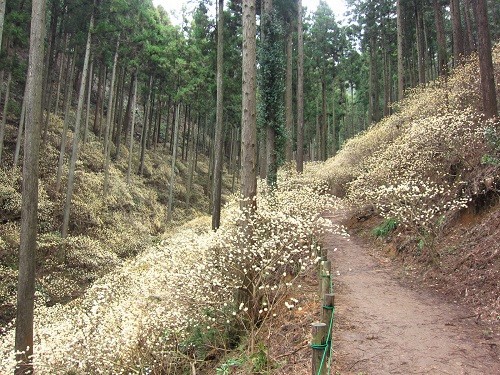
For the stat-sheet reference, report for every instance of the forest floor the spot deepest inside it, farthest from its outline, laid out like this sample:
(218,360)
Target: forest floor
(388,323)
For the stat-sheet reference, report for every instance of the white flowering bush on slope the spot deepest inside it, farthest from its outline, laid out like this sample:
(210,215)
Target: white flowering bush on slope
(152,314)
(423,164)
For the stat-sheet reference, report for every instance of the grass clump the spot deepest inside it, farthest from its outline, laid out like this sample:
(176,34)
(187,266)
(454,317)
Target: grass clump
(386,228)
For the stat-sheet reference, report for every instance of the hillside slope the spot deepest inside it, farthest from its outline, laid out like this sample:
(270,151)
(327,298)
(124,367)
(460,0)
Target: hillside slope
(426,182)
(104,230)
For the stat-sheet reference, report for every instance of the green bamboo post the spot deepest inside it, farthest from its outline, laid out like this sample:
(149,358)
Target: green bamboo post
(318,344)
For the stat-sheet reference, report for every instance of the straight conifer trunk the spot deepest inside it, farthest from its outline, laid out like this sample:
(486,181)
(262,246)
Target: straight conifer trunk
(109,119)
(401,71)
(490,107)
(249,112)
(29,209)
(4,115)
(172,170)
(132,126)
(217,183)
(2,18)
(300,91)
(457,31)
(289,96)
(76,136)
(441,38)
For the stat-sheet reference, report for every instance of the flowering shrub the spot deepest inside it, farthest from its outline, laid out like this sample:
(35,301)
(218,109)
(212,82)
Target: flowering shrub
(149,314)
(422,164)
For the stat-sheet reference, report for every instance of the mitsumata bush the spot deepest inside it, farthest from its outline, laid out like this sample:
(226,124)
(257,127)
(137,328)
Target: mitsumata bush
(150,313)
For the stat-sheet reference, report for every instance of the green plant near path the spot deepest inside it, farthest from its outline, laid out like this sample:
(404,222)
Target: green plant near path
(384,229)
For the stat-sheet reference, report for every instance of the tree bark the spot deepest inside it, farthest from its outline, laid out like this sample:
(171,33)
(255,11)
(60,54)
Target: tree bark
(458,35)
(67,107)
(249,112)
(289,95)
(132,125)
(144,132)
(217,181)
(172,168)
(29,209)
(109,119)
(76,136)
(4,115)
(300,91)
(441,38)
(420,42)
(89,94)
(2,18)
(20,130)
(322,122)
(488,92)
(401,72)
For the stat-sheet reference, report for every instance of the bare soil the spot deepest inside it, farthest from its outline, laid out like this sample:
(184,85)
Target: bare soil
(389,325)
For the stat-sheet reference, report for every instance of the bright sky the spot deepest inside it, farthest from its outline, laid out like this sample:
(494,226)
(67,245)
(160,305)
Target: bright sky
(174,7)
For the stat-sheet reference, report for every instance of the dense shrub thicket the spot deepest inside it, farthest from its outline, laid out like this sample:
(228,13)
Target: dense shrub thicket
(163,309)
(428,160)
(104,229)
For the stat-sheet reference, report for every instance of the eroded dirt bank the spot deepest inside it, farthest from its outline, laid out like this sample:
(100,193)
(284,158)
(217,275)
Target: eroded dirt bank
(385,326)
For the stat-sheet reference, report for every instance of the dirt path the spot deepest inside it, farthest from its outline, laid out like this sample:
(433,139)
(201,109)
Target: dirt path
(384,327)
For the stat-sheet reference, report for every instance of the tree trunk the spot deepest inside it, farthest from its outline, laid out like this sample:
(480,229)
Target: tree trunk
(60,80)
(76,137)
(374,112)
(420,42)
(249,113)
(132,125)
(289,96)
(300,91)
(109,119)
(99,100)
(468,37)
(441,38)
(322,122)
(458,37)
(67,107)
(119,122)
(4,115)
(29,209)
(387,83)
(20,130)
(401,71)
(488,92)
(172,170)
(128,112)
(89,94)
(144,132)
(217,183)
(2,17)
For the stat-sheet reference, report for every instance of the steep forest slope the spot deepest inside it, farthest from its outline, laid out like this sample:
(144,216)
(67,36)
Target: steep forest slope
(426,180)
(105,229)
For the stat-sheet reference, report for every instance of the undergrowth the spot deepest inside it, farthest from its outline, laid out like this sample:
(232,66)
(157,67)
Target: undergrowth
(425,163)
(176,305)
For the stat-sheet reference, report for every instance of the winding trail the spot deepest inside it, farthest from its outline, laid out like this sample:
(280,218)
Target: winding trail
(385,327)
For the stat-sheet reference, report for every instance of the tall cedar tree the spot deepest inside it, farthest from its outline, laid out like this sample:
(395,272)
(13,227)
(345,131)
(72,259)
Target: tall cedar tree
(29,209)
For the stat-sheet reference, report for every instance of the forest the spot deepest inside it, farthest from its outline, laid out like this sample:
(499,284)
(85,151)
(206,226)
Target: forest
(168,190)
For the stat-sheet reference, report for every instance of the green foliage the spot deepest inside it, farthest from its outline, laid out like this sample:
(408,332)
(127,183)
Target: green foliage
(272,84)
(384,229)
(260,360)
(225,368)
(492,135)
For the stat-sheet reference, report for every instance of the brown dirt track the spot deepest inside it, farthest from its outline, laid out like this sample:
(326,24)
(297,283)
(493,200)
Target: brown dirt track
(385,325)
